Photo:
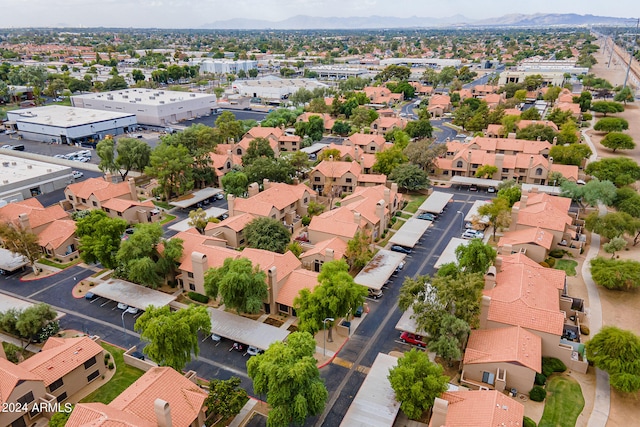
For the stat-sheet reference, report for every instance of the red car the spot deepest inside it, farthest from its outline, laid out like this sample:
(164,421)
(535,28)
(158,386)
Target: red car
(412,339)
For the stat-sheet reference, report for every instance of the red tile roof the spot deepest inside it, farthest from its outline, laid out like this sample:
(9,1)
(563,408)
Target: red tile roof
(10,376)
(338,246)
(101,415)
(297,280)
(56,233)
(504,345)
(100,188)
(121,205)
(537,236)
(38,214)
(284,263)
(481,408)
(278,196)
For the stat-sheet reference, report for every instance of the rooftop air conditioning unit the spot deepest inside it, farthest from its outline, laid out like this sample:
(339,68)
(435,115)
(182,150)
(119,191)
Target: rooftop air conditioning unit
(13,163)
(152,98)
(172,99)
(29,166)
(161,102)
(48,170)
(138,99)
(125,96)
(193,95)
(5,164)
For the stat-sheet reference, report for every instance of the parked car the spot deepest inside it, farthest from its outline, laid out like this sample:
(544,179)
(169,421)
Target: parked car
(473,188)
(426,216)
(11,132)
(18,147)
(219,196)
(472,234)
(122,306)
(412,339)
(6,146)
(400,266)
(132,310)
(138,355)
(402,249)
(216,338)
(375,293)
(253,351)
(359,311)
(491,189)
(60,156)
(468,225)
(89,296)
(77,174)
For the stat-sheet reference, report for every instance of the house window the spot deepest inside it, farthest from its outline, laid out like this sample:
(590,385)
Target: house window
(539,171)
(372,148)
(239,152)
(348,179)
(283,308)
(89,363)
(488,377)
(306,200)
(505,170)
(445,173)
(26,399)
(475,165)
(71,198)
(94,203)
(107,210)
(459,164)
(241,241)
(56,384)
(93,375)
(62,397)
(192,286)
(119,213)
(189,274)
(316,179)
(84,200)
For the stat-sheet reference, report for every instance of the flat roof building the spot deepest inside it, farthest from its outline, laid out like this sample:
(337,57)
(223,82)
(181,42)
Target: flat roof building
(225,66)
(152,107)
(67,125)
(21,178)
(274,87)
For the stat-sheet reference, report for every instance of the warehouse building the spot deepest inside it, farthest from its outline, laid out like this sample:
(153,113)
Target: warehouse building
(152,107)
(22,178)
(274,88)
(66,125)
(223,66)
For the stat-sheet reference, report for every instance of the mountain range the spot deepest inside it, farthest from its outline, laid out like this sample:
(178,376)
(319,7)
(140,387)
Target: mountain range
(306,22)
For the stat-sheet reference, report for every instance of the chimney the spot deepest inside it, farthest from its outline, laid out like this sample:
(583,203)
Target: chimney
(200,265)
(484,311)
(229,153)
(380,214)
(266,184)
(394,187)
(506,249)
(387,196)
(555,140)
(231,201)
(108,177)
(296,181)
(361,164)
(550,161)
(328,254)
(530,162)
(439,412)
(523,201)
(356,217)
(273,288)
(132,189)
(163,413)
(253,189)
(490,278)
(498,264)
(25,224)
(469,156)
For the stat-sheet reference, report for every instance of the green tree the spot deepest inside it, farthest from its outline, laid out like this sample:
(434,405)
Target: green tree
(358,252)
(606,107)
(616,274)
(105,150)
(614,245)
(198,219)
(530,114)
(21,241)
(486,171)
(617,352)
(299,160)
(27,323)
(133,154)
(416,382)
(287,373)
(628,200)
(230,128)
(171,166)
(258,147)
(568,133)
(172,337)
(419,128)
(388,160)
(394,72)
(424,152)
(612,224)
(241,286)
(624,95)
(475,257)
(268,234)
(572,154)
(137,75)
(100,238)
(363,117)
(226,398)
(59,419)
(552,94)
(533,132)
(451,337)
(619,170)
(275,170)
(235,182)
(410,177)
(618,141)
(592,193)
(560,117)
(511,191)
(114,83)
(498,212)
(611,124)
(521,96)
(334,297)
(341,128)
(585,101)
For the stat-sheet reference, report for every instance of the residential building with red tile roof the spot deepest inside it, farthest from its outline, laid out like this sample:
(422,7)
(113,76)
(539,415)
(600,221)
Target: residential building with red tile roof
(421,89)
(349,153)
(66,365)
(17,386)
(93,192)
(477,408)
(502,359)
(494,131)
(55,230)
(494,99)
(223,160)
(512,112)
(535,242)
(368,143)
(240,149)
(439,104)
(296,281)
(521,124)
(132,211)
(231,230)
(342,177)
(327,120)
(382,95)
(382,125)
(484,90)
(160,397)
(323,251)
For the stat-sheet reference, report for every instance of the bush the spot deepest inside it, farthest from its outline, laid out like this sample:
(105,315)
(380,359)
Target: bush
(198,297)
(541,379)
(584,330)
(111,366)
(544,264)
(306,220)
(587,116)
(551,365)
(528,422)
(556,253)
(537,394)
(12,351)
(551,262)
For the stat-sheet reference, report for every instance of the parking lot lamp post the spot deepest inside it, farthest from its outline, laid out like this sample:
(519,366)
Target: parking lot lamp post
(461,219)
(324,335)
(124,330)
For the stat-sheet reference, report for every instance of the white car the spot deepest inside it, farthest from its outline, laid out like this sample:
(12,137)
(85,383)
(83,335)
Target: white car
(132,310)
(253,351)
(7,146)
(77,174)
(216,338)
(122,306)
(472,234)
(60,156)
(11,132)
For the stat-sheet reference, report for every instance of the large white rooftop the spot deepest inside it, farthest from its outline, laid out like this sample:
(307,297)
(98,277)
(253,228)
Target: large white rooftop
(152,97)
(16,169)
(63,117)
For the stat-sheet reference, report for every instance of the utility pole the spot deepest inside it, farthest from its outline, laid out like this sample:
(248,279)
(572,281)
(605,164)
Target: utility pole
(633,50)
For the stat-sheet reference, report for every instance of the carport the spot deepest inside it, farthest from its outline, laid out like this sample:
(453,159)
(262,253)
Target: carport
(410,233)
(449,253)
(379,269)
(549,189)
(473,212)
(407,323)
(132,294)
(184,224)
(436,202)
(375,404)
(479,182)
(8,302)
(246,331)
(10,262)
(196,197)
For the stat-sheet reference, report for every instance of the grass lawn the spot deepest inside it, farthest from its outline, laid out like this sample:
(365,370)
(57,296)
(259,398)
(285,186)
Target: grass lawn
(125,376)
(167,219)
(163,205)
(568,265)
(50,263)
(563,404)
(414,204)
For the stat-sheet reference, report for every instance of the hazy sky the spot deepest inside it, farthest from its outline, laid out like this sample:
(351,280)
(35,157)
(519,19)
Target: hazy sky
(196,13)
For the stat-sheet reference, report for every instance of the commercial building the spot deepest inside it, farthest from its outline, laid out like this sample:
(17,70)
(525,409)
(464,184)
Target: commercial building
(422,62)
(66,125)
(21,178)
(223,66)
(274,88)
(151,106)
